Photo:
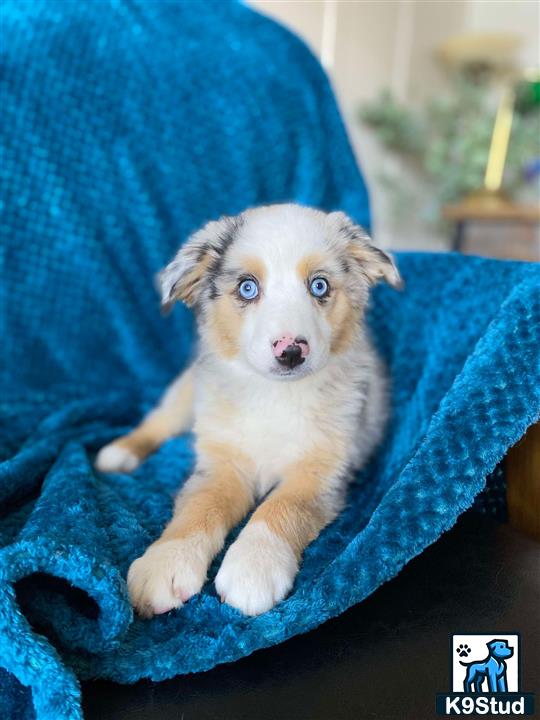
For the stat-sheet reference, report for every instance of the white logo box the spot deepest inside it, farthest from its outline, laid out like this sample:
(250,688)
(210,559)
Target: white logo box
(477,644)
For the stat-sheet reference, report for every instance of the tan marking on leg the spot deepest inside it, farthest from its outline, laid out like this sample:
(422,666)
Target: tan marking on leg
(217,496)
(344,321)
(297,510)
(224,326)
(174,567)
(147,438)
(170,418)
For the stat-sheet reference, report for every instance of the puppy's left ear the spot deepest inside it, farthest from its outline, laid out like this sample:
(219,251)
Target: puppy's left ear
(375,264)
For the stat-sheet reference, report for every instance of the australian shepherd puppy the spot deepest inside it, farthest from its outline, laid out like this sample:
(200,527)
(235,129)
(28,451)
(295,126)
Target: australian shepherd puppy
(286,398)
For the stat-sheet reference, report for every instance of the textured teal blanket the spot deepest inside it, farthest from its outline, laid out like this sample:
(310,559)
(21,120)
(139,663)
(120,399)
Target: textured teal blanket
(125,126)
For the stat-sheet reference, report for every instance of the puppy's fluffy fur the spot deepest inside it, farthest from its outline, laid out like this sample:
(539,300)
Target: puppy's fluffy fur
(265,425)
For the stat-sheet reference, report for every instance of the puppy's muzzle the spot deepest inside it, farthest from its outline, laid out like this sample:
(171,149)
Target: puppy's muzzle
(290,351)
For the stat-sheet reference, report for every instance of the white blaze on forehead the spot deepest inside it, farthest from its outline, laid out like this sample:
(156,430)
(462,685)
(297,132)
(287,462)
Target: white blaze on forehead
(281,236)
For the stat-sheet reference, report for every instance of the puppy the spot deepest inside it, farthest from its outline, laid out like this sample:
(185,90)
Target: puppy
(287,397)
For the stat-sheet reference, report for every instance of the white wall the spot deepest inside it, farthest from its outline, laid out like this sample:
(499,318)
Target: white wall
(367,45)
(521,17)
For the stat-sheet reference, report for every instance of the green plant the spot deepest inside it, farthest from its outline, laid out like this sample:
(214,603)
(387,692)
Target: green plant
(447,141)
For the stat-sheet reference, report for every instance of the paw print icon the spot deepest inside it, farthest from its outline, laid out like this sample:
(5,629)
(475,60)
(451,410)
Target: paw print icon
(463,650)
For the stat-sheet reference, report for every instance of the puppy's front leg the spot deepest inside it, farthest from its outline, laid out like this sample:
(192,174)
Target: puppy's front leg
(259,568)
(216,497)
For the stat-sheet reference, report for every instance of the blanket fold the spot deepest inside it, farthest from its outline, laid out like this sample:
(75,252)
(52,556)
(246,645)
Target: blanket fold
(452,422)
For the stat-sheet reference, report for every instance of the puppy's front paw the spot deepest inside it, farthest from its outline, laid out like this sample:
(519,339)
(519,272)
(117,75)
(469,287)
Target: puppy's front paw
(257,571)
(116,458)
(167,575)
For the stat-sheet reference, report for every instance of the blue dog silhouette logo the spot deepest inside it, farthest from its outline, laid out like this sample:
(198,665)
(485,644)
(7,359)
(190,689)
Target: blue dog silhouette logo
(492,669)
(485,677)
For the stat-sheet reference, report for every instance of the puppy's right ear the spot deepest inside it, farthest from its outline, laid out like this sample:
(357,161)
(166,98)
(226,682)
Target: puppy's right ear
(188,275)
(374,264)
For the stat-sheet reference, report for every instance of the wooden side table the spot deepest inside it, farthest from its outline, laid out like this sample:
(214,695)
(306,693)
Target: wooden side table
(522,463)
(495,211)
(522,466)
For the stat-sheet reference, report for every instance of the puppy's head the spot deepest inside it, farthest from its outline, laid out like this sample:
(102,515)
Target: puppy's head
(280,289)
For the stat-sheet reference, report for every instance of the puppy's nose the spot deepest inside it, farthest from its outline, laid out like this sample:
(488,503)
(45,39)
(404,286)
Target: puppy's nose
(290,351)
(291,356)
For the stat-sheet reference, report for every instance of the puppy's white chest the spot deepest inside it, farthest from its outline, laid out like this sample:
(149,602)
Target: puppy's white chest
(274,428)
(274,435)
(273,431)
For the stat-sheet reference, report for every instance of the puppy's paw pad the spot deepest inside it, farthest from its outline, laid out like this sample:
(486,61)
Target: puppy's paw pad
(166,576)
(116,458)
(463,650)
(257,572)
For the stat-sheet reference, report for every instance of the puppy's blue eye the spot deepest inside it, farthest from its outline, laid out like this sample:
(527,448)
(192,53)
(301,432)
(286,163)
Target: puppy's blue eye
(318,287)
(248,289)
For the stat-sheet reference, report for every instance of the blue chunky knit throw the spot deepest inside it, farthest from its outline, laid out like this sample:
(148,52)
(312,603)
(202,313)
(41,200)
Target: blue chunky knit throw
(127,125)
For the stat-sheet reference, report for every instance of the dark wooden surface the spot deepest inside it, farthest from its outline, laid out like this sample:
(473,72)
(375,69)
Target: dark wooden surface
(523,479)
(384,659)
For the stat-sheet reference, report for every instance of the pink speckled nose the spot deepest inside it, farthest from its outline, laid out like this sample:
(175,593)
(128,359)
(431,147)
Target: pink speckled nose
(290,350)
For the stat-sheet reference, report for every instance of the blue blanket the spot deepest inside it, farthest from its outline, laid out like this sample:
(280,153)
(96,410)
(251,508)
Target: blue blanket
(125,127)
